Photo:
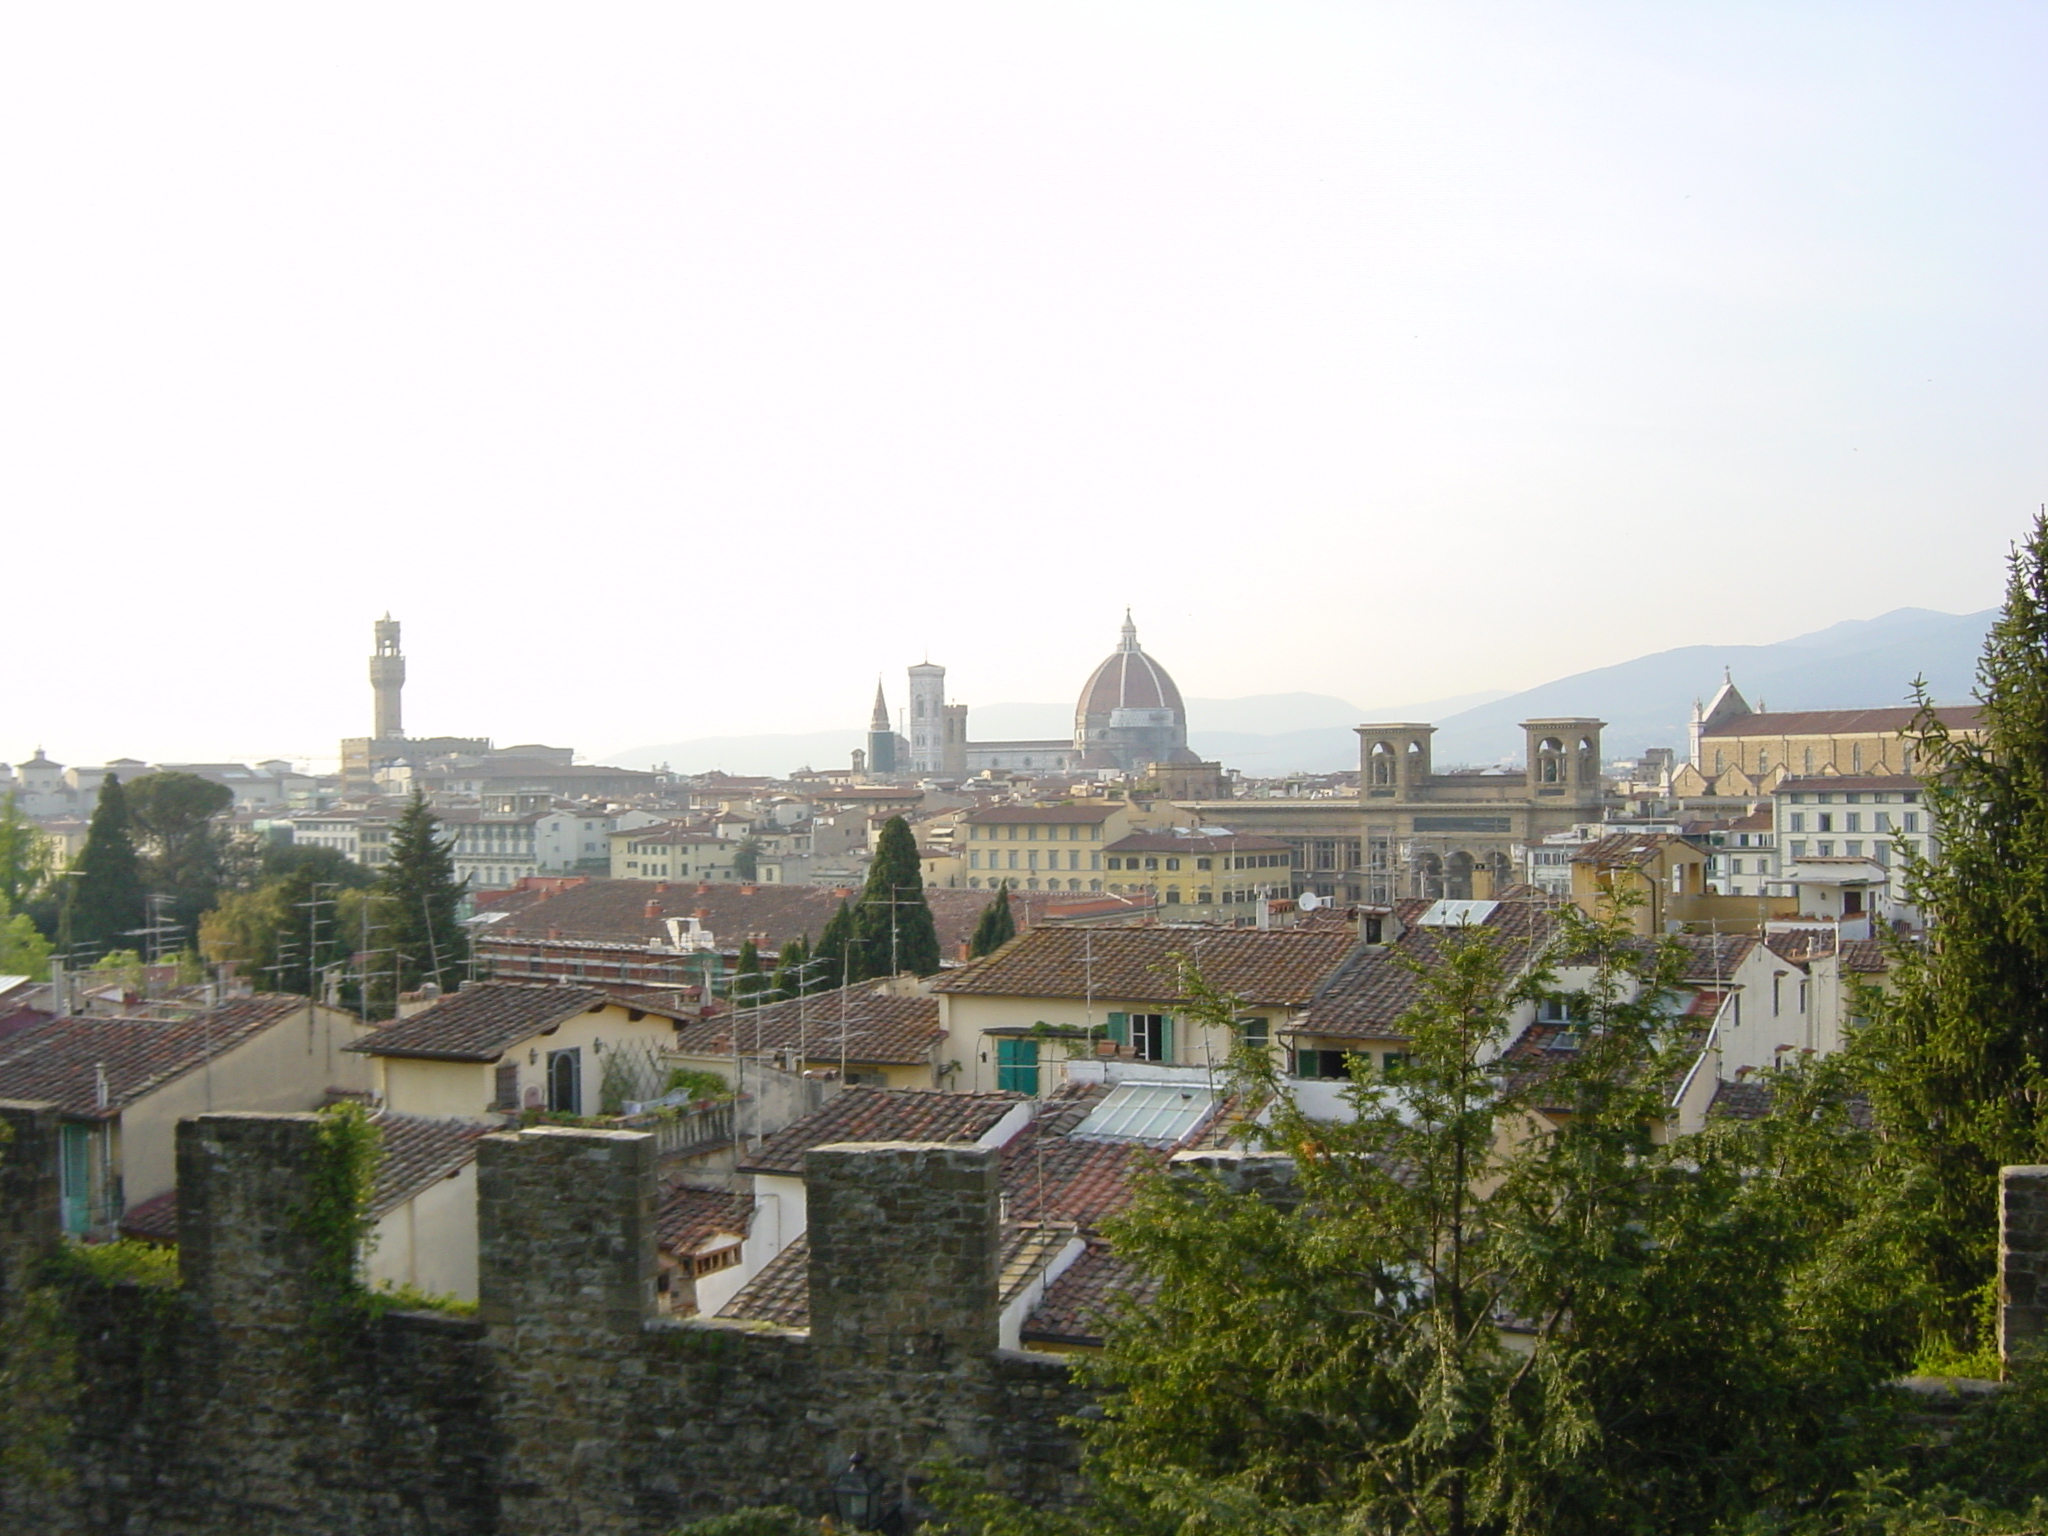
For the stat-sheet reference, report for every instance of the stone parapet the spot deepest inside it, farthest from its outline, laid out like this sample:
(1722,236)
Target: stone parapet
(565,1229)
(2022,1257)
(28,1187)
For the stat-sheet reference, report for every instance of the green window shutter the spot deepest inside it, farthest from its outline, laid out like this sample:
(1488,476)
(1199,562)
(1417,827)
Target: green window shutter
(1120,1028)
(1017,1066)
(1166,1039)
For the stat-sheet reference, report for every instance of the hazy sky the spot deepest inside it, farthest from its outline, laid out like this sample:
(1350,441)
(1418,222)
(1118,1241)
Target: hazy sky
(671,369)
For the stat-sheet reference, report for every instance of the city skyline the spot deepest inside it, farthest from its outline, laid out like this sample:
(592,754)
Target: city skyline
(1397,351)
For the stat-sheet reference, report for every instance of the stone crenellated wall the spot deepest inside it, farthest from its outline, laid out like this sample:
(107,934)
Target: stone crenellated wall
(245,1401)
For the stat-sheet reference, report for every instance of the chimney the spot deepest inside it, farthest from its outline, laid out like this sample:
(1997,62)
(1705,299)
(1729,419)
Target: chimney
(661,887)
(652,912)
(703,887)
(842,891)
(748,890)
(702,914)
(554,933)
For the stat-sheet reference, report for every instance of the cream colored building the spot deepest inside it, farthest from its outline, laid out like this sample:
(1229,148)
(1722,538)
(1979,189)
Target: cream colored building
(122,1084)
(1054,994)
(496,1048)
(1740,751)
(670,853)
(1202,875)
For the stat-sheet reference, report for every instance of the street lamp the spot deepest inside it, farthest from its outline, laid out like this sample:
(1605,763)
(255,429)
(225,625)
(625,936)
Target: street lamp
(857,1495)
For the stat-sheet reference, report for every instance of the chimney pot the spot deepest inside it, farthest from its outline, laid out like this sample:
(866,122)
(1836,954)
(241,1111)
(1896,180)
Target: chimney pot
(702,914)
(748,890)
(661,887)
(653,912)
(703,888)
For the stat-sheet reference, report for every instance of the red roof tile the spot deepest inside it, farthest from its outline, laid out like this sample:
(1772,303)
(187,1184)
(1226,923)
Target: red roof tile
(1078,1304)
(878,1029)
(1369,995)
(486,1019)
(882,1114)
(1267,967)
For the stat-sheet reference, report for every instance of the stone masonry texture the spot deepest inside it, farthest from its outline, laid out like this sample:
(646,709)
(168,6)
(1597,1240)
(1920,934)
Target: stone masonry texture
(2022,1257)
(246,1401)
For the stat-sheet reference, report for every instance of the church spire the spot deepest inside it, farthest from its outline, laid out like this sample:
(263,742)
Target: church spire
(1130,639)
(879,721)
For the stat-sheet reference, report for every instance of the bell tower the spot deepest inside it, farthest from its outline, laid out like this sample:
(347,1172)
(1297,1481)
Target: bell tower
(387,681)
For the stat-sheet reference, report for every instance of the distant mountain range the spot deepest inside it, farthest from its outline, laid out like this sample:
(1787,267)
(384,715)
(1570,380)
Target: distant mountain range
(1647,702)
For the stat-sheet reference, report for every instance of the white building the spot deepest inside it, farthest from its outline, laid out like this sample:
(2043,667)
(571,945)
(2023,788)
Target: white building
(1852,818)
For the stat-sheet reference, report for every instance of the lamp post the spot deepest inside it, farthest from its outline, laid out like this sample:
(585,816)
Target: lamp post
(857,1495)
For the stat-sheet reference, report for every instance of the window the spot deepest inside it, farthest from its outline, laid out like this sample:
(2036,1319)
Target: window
(1911,820)
(1798,821)
(1256,1031)
(1173,863)
(1392,1062)
(1152,1036)
(1883,822)
(565,1081)
(1799,850)
(1824,848)
(1204,863)
(1854,848)
(1324,1066)
(74,1176)
(1151,863)
(1560,1010)
(1017,1066)
(1825,823)
(1853,822)
(505,1086)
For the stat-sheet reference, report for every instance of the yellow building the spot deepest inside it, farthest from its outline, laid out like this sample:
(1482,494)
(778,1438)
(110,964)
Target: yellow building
(1058,847)
(670,853)
(1659,875)
(1202,876)
(498,1047)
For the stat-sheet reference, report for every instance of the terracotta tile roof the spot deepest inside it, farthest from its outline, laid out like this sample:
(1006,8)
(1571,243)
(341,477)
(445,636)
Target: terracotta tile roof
(1709,957)
(1839,722)
(882,1114)
(62,1059)
(616,912)
(153,1221)
(1077,1304)
(1054,1178)
(1367,996)
(780,1293)
(691,1219)
(1751,1098)
(1866,956)
(483,1021)
(1755,821)
(1272,967)
(1626,850)
(878,1029)
(418,1153)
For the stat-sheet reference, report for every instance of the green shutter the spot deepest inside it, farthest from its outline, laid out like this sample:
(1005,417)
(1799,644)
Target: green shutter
(1120,1028)
(1165,1039)
(1017,1066)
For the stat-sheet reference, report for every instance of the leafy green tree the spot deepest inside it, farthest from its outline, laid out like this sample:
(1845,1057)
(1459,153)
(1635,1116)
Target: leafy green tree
(1703,1323)
(23,949)
(893,927)
(278,938)
(175,821)
(104,905)
(327,866)
(25,862)
(414,909)
(835,947)
(998,925)
(746,860)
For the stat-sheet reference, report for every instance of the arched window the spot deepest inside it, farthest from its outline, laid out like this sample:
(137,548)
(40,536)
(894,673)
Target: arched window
(1856,758)
(1807,762)
(1550,761)
(1381,759)
(1763,761)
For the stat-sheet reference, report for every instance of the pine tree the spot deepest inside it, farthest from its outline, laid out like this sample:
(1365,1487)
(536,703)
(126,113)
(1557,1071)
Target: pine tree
(1956,1058)
(414,909)
(998,924)
(835,948)
(746,860)
(183,847)
(893,925)
(105,904)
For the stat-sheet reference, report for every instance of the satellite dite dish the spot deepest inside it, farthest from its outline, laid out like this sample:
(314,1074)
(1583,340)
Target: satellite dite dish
(1307,901)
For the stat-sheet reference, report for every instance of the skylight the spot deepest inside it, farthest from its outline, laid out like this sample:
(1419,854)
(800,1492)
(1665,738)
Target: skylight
(1158,1114)
(1456,914)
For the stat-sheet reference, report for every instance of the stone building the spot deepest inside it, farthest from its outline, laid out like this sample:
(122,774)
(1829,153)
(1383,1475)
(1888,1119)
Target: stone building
(1744,752)
(1411,831)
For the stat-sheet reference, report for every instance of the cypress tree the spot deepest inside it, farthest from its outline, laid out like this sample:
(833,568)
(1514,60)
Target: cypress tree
(836,948)
(998,924)
(894,926)
(1956,1056)
(747,981)
(416,901)
(105,904)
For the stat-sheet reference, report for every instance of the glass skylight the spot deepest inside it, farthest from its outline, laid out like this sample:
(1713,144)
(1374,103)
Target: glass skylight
(1158,1114)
